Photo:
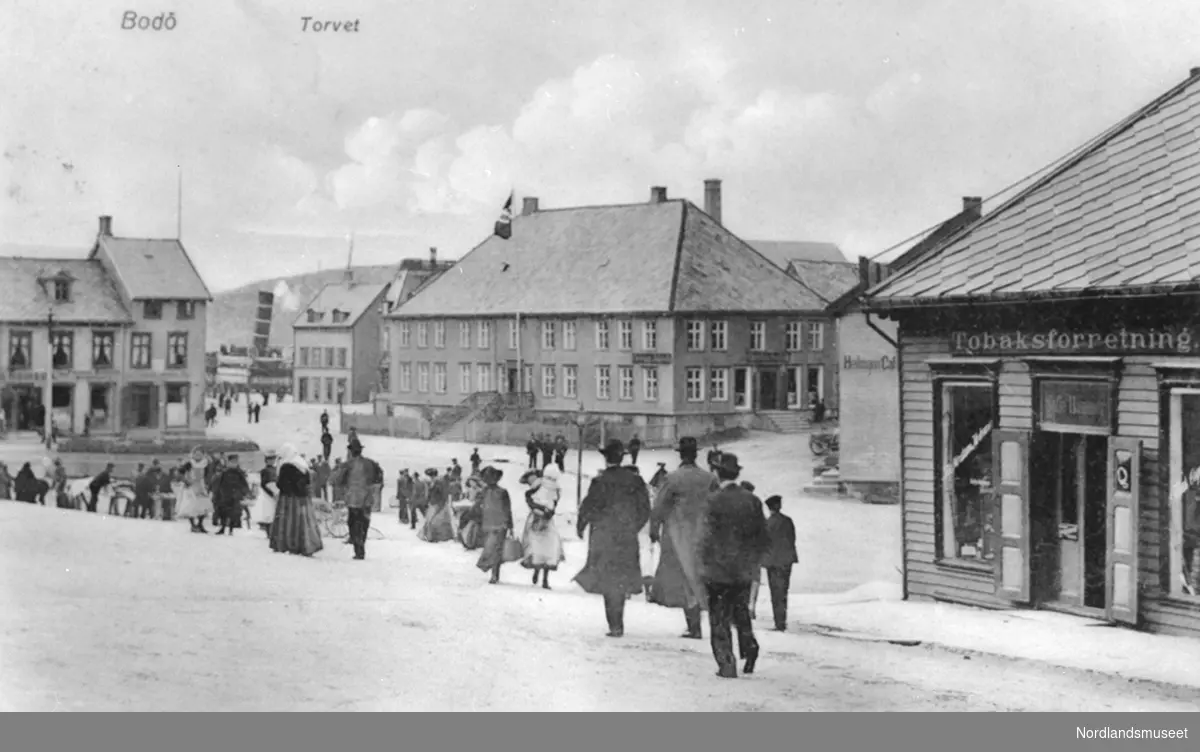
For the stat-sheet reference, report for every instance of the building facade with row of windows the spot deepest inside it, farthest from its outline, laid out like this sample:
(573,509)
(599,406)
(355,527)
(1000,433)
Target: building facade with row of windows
(650,312)
(120,334)
(338,343)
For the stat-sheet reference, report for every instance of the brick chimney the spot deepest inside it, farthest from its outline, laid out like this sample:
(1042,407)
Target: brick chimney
(658,194)
(106,226)
(1195,71)
(712,199)
(973,206)
(433,258)
(529,205)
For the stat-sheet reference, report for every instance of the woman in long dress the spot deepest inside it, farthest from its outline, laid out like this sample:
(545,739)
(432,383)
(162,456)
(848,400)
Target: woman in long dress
(294,529)
(493,509)
(540,540)
(438,526)
(194,502)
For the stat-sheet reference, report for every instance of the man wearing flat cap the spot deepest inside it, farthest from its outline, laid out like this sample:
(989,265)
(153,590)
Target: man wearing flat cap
(677,522)
(616,508)
(732,550)
(360,479)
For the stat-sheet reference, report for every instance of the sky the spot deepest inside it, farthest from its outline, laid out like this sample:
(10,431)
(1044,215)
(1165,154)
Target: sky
(860,122)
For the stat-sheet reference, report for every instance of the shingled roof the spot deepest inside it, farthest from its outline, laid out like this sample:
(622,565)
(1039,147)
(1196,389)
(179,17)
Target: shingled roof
(153,269)
(351,299)
(94,296)
(1122,215)
(637,258)
(828,280)
(784,252)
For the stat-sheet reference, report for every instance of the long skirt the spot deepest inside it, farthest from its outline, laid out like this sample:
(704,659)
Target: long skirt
(492,555)
(191,504)
(264,511)
(542,543)
(438,526)
(469,535)
(294,530)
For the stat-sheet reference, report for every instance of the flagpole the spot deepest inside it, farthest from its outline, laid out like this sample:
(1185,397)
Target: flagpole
(179,206)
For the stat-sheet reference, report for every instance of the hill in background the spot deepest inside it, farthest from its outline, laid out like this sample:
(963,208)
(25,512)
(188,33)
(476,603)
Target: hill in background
(231,318)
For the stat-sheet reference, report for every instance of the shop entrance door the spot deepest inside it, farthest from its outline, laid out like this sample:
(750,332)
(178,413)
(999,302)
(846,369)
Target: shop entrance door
(1073,520)
(766,390)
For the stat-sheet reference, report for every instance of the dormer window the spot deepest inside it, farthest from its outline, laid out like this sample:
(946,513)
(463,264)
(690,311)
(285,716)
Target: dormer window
(152,309)
(185,310)
(314,316)
(340,317)
(62,291)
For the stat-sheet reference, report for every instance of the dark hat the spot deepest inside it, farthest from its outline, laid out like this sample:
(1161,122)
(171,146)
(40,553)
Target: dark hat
(432,473)
(774,501)
(688,444)
(748,486)
(727,462)
(231,456)
(355,443)
(613,451)
(491,472)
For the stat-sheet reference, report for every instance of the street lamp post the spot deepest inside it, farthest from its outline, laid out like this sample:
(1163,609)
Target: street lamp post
(581,422)
(48,393)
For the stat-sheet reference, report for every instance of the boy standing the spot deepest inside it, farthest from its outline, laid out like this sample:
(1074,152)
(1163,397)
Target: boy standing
(780,558)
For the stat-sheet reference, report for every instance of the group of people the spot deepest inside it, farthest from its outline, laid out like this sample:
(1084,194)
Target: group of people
(715,542)
(549,451)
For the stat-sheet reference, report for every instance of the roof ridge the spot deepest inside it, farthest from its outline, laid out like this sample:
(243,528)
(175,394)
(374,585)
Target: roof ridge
(1084,151)
(599,206)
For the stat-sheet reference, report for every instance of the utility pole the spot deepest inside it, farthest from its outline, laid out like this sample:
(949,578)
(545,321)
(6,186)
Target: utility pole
(48,393)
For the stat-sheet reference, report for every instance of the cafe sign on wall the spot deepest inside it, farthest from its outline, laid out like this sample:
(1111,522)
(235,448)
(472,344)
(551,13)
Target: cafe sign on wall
(1121,341)
(1075,406)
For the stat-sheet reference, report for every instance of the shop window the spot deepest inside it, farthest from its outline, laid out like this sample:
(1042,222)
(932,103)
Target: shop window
(1184,429)
(964,479)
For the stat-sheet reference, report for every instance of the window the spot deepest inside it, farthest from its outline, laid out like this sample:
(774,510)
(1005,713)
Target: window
(341,390)
(423,334)
(650,383)
(816,335)
(965,458)
(304,356)
(140,351)
(62,291)
(464,378)
(464,334)
(62,344)
(341,357)
(313,318)
(548,335)
(405,377)
(152,309)
(568,335)
(439,334)
(177,405)
(385,380)
(329,389)
(405,334)
(602,335)
(185,310)
(625,332)
(570,382)
(758,335)
(483,377)
(422,377)
(695,336)
(439,378)
(316,358)
(793,336)
(302,389)
(329,354)
(695,385)
(514,336)
(102,349)
(717,336)
(718,384)
(527,375)
(548,381)
(625,375)
(20,347)
(485,335)
(177,350)
(1184,430)
(649,335)
(603,382)
(340,317)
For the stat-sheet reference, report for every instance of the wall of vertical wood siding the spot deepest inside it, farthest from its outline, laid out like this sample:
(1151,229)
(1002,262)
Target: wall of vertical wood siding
(1137,417)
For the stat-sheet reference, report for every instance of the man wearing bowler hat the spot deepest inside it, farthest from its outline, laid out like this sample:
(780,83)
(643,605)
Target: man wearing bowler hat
(677,522)
(734,544)
(616,508)
(360,479)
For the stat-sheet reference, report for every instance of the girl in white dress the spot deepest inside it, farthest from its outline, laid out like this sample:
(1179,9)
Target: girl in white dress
(542,543)
(195,503)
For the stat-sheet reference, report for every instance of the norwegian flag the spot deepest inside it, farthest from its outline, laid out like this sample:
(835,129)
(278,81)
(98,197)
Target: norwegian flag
(504,224)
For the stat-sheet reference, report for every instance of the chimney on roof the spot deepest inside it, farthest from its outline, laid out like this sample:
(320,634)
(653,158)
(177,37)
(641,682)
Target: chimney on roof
(658,194)
(106,226)
(433,258)
(712,199)
(1195,72)
(973,206)
(529,205)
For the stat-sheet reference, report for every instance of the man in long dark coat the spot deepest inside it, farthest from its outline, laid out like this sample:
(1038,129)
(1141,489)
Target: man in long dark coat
(547,447)
(731,554)
(233,487)
(780,559)
(531,450)
(677,522)
(403,493)
(360,479)
(616,508)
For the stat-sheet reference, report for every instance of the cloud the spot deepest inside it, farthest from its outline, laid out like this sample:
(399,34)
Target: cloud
(285,298)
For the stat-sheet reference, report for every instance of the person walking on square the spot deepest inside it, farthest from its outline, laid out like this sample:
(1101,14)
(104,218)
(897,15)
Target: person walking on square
(234,487)
(326,444)
(194,501)
(493,510)
(780,559)
(294,529)
(531,449)
(547,447)
(616,508)
(361,478)
(635,448)
(475,460)
(731,555)
(403,495)
(677,523)
(98,484)
(6,483)
(540,541)
(560,452)
(324,421)
(268,494)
